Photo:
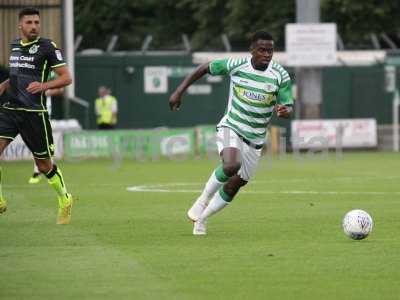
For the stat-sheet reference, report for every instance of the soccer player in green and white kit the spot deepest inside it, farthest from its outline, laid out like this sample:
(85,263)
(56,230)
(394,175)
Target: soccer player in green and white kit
(31,59)
(258,86)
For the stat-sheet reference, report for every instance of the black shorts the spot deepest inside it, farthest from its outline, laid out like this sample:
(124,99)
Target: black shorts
(34,128)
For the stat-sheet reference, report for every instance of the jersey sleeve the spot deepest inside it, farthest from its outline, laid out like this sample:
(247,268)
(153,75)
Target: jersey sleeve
(225,66)
(219,67)
(54,56)
(285,96)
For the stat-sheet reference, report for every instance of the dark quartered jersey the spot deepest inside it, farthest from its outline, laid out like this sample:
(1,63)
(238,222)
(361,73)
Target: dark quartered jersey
(29,62)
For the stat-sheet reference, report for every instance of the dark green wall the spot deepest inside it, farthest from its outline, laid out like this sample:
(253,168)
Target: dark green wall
(138,109)
(356,92)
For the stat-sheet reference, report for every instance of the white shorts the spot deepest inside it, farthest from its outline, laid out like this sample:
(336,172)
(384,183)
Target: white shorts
(250,156)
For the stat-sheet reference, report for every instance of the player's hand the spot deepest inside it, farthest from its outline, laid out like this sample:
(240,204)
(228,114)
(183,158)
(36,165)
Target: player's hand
(175,101)
(283,111)
(3,86)
(36,87)
(2,89)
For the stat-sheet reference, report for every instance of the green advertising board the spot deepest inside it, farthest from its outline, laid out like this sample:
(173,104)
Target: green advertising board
(136,144)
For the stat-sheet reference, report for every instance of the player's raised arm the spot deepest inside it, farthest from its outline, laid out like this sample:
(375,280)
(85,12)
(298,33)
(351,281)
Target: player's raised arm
(284,107)
(175,99)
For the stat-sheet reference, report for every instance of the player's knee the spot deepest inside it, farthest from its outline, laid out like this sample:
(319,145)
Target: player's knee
(233,186)
(231,168)
(44,169)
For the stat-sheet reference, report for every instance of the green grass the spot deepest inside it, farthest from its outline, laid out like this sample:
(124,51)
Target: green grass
(271,243)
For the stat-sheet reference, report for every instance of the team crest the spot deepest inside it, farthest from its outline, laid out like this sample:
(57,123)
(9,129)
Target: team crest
(33,49)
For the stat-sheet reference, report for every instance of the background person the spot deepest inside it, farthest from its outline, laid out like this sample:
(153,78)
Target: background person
(106,109)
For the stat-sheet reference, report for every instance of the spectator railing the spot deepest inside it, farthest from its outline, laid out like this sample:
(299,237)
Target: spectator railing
(83,104)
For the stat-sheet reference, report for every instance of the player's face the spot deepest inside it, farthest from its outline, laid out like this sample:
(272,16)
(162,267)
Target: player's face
(262,51)
(30,27)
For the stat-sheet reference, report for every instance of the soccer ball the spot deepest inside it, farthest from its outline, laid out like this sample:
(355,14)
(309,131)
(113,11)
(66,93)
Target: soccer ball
(357,224)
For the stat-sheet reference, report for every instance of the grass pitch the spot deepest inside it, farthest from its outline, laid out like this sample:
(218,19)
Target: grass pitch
(281,238)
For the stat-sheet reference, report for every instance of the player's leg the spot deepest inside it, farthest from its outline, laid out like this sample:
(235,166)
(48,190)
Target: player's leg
(229,167)
(4,142)
(56,181)
(54,176)
(231,162)
(225,194)
(37,134)
(226,139)
(8,131)
(35,178)
(220,200)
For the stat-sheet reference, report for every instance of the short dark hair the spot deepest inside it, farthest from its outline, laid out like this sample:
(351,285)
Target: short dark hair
(28,11)
(261,35)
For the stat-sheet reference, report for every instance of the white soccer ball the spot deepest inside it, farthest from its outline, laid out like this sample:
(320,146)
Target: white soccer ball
(357,224)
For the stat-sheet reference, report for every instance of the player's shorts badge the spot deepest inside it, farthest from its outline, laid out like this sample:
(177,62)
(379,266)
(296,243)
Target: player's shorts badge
(33,49)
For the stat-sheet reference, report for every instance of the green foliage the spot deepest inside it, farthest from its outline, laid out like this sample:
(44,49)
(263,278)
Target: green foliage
(205,21)
(357,19)
(97,20)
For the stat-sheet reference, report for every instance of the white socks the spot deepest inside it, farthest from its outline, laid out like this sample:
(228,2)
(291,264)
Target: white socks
(211,187)
(35,168)
(216,204)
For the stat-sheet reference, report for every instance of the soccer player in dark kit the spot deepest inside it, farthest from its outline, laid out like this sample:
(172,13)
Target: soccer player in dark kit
(31,60)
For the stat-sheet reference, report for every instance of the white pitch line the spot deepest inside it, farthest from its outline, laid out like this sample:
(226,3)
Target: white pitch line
(163,188)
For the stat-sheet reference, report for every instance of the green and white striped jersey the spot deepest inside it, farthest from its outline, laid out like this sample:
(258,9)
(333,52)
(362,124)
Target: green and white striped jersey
(253,95)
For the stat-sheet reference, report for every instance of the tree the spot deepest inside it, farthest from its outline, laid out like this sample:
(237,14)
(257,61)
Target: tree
(205,21)
(357,19)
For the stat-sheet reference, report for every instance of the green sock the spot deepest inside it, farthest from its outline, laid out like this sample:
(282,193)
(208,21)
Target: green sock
(220,175)
(224,195)
(56,180)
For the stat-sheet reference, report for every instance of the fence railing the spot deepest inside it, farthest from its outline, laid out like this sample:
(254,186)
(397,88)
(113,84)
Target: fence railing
(83,105)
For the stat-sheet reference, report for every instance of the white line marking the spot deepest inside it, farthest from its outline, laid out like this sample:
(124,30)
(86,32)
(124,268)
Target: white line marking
(166,188)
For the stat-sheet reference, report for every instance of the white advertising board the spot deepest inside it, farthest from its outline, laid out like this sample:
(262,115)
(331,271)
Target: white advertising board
(311,45)
(155,80)
(335,133)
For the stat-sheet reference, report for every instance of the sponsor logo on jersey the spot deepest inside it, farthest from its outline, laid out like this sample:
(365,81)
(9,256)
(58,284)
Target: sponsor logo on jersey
(254,95)
(21,65)
(33,49)
(23,58)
